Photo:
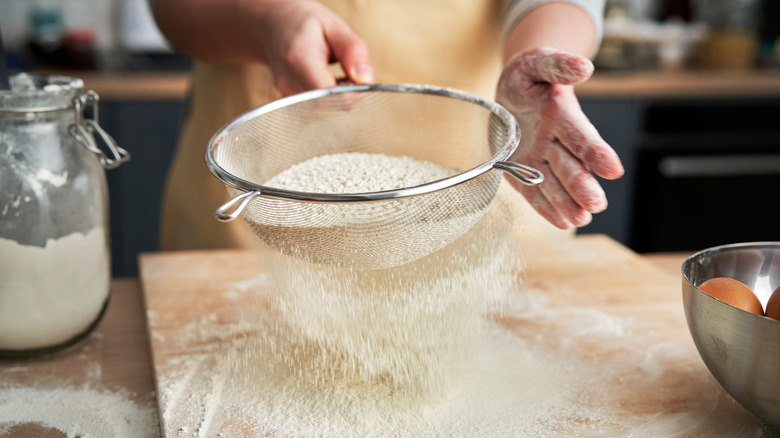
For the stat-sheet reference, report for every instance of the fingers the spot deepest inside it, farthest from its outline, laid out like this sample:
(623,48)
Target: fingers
(569,147)
(579,190)
(352,53)
(577,135)
(575,151)
(556,67)
(302,52)
(569,194)
(305,60)
(550,201)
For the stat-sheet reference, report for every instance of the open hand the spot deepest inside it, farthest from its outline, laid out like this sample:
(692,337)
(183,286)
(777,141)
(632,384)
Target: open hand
(556,137)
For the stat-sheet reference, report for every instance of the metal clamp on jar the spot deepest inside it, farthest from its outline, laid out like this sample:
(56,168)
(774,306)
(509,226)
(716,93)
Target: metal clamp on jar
(54,230)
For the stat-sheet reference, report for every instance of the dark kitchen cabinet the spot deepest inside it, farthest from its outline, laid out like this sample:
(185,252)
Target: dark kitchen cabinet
(707,174)
(618,121)
(149,130)
(700,172)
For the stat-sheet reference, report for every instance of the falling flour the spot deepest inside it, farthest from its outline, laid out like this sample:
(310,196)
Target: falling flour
(407,351)
(50,294)
(442,346)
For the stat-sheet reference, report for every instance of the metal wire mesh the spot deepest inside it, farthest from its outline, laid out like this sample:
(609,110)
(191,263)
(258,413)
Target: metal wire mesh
(365,230)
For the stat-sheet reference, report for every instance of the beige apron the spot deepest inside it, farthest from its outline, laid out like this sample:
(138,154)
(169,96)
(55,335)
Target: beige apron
(452,43)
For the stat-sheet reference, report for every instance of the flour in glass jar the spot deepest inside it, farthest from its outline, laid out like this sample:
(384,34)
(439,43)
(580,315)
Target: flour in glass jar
(52,293)
(76,412)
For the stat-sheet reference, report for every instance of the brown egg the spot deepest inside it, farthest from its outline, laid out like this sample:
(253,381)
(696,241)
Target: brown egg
(732,292)
(773,305)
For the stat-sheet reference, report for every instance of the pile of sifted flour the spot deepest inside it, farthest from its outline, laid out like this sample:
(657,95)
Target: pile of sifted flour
(77,412)
(547,370)
(50,294)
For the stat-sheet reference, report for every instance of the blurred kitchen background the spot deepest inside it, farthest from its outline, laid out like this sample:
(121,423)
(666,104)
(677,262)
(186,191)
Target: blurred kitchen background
(101,35)
(687,92)
(674,34)
(639,34)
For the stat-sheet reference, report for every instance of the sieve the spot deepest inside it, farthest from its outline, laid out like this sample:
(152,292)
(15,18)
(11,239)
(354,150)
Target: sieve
(375,230)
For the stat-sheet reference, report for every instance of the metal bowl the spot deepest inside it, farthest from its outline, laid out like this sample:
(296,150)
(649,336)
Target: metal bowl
(741,349)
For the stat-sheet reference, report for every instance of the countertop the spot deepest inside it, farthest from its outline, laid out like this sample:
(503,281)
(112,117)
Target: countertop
(601,327)
(637,84)
(117,356)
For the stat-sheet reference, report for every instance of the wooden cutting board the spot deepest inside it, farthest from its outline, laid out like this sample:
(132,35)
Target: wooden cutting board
(610,315)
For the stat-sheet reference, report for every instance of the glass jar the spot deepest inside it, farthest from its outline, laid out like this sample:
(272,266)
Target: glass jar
(54,235)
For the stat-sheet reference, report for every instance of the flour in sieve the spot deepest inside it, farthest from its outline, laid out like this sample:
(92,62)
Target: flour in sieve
(50,294)
(358,172)
(365,235)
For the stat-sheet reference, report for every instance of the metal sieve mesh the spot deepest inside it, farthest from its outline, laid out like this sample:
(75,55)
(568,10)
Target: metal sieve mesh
(450,128)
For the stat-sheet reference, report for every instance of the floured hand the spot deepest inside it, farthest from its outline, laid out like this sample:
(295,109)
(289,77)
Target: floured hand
(537,87)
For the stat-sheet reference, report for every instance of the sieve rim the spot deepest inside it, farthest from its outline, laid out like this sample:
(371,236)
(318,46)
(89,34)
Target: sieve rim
(247,186)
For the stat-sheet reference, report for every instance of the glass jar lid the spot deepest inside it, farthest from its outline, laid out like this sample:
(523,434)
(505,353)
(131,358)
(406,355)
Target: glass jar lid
(36,93)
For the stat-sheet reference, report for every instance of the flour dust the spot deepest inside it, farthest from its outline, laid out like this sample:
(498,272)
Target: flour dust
(77,412)
(439,347)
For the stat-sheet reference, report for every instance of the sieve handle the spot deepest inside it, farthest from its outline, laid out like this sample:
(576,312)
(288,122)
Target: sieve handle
(527,175)
(233,208)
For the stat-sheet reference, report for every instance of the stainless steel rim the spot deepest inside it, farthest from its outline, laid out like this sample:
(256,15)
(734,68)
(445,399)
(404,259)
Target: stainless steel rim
(41,109)
(497,161)
(685,267)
